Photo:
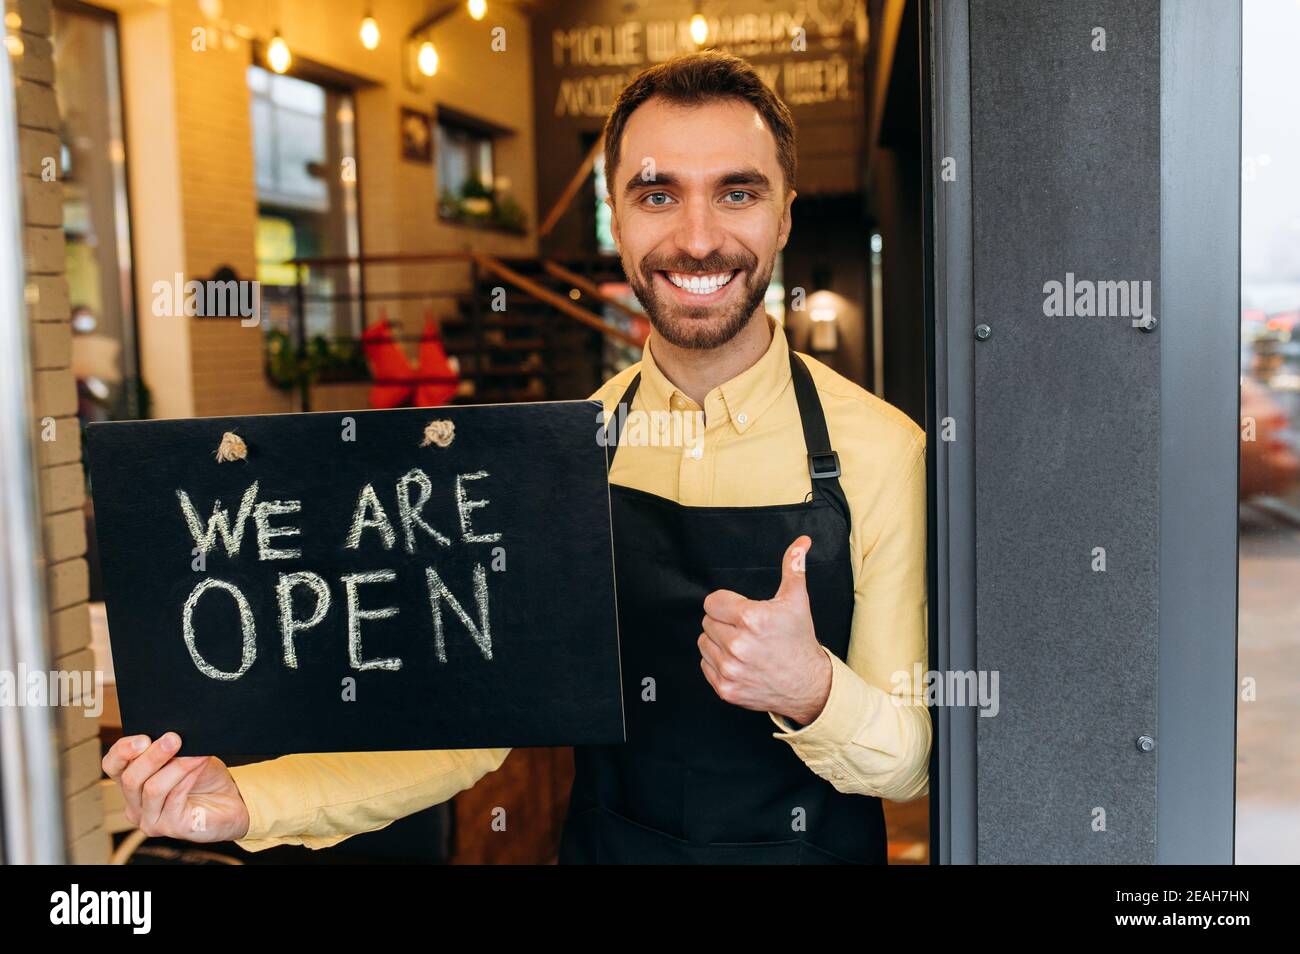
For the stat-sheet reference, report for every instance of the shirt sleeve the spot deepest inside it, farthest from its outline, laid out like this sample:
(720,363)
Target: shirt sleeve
(318,800)
(873,735)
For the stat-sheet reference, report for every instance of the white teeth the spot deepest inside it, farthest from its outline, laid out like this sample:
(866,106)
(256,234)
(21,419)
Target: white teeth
(699,284)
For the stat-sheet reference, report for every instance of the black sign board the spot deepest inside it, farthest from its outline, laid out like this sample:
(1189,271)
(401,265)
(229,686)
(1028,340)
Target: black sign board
(358,581)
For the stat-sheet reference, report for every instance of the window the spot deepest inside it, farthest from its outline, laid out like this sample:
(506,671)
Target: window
(464,162)
(304,153)
(289,132)
(470,189)
(1268,553)
(96,224)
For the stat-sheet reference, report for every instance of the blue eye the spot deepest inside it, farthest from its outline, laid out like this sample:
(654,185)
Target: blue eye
(656,195)
(738,195)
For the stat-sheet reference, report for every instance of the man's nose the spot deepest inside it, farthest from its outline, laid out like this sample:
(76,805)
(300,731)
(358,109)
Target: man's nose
(699,232)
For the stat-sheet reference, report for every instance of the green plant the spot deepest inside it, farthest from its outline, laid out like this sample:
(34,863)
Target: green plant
(508,213)
(477,203)
(282,364)
(473,188)
(340,357)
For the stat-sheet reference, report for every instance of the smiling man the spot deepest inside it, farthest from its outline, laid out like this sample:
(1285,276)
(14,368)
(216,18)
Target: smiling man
(771,572)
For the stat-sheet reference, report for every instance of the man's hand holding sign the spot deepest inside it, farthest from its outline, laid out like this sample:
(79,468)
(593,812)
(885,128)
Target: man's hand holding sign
(192,797)
(764,654)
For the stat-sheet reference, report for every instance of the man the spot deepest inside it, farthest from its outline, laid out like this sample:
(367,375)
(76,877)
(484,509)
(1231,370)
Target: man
(771,574)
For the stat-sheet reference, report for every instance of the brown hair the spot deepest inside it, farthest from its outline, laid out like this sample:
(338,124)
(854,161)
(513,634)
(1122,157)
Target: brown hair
(692,79)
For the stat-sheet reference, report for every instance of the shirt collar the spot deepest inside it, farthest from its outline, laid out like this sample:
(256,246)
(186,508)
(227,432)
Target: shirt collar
(739,400)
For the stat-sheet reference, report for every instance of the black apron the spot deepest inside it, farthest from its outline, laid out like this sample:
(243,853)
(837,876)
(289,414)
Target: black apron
(699,780)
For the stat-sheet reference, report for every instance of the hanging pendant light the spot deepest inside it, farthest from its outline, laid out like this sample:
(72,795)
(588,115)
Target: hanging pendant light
(369,31)
(699,29)
(427,59)
(277,54)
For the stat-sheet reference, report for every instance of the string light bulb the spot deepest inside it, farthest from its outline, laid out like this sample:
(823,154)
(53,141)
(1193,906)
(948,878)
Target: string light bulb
(277,54)
(369,32)
(477,9)
(699,29)
(427,59)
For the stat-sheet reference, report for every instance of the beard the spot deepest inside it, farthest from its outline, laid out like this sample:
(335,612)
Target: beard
(707,326)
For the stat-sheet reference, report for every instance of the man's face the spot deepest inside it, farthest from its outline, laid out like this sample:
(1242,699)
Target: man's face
(700,209)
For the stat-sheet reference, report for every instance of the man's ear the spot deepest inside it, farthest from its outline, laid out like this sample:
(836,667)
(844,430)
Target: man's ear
(786,222)
(613,224)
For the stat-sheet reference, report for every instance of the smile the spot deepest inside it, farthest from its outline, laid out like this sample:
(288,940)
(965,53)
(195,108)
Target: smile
(697,284)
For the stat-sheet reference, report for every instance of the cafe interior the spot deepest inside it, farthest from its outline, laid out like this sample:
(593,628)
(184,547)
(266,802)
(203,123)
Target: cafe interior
(382,169)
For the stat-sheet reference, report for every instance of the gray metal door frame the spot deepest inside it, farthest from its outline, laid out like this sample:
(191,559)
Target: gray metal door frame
(951,464)
(1200,115)
(1200,265)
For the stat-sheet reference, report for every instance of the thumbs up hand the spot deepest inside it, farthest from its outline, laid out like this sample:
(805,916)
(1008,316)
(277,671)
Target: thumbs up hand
(764,654)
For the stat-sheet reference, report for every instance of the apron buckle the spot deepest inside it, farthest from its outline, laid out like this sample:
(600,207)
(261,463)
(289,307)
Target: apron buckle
(824,465)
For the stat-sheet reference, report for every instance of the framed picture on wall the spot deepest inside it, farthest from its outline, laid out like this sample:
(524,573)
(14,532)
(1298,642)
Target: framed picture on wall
(417,136)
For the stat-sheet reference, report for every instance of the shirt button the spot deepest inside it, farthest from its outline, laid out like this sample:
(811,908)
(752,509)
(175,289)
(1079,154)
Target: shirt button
(742,418)
(697,452)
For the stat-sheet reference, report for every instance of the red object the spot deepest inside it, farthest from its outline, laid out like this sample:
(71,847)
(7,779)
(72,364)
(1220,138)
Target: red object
(437,379)
(396,383)
(392,374)
(640,330)
(1283,321)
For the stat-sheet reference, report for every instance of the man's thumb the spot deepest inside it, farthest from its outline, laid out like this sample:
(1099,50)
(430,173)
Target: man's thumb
(793,585)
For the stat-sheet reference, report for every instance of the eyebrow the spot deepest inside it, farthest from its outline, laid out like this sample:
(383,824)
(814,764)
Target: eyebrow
(659,179)
(747,177)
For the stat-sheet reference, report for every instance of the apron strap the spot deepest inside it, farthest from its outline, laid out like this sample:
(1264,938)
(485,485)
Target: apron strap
(621,410)
(823,462)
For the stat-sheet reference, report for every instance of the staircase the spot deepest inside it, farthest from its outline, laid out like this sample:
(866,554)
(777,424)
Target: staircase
(530,350)
(520,329)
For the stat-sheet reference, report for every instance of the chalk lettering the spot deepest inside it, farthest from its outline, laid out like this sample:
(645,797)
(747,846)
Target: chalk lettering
(464,506)
(288,625)
(219,522)
(356,615)
(246,625)
(482,632)
(370,513)
(265,532)
(409,513)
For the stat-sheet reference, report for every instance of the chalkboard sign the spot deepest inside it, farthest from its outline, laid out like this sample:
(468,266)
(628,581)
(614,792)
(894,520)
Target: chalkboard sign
(361,581)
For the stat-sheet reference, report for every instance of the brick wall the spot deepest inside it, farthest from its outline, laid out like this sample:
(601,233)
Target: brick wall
(219,214)
(61,481)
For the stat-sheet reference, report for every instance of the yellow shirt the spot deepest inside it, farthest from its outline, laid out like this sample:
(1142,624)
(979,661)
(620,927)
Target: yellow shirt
(872,737)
